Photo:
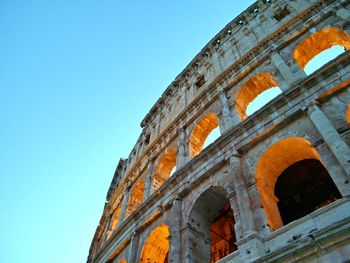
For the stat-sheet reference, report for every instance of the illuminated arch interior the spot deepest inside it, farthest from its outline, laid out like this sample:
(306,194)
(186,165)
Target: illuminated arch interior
(347,116)
(201,132)
(250,91)
(318,42)
(122,261)
(272,164)
(115,219)
(136,197)
(164,168)
(156,246)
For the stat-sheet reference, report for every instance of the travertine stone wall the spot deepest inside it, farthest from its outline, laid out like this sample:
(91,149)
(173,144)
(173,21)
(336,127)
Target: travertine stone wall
(265,46)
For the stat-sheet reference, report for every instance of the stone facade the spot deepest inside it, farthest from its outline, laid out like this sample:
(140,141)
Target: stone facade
(153,214)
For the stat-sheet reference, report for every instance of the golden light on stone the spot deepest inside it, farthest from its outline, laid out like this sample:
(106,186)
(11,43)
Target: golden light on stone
(318,42)
(251,89)
(272,163)
(136,197)
(200,133)
(164,168)
(156,246)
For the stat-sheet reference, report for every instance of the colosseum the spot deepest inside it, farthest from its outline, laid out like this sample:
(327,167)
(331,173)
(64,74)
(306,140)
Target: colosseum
(273,186)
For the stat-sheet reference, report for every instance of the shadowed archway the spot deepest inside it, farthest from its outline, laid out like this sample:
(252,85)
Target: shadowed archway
(284,172)
(212,226)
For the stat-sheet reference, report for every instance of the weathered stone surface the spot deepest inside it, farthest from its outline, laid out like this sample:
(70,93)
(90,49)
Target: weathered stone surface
(153,214)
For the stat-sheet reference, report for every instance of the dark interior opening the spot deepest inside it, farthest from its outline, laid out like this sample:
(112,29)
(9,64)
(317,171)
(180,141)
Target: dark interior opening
(147,139)
(222,234)
(200,82)
(302,188)
(281,13)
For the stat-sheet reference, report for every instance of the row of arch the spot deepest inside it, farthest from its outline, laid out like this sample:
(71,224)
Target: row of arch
(290,186)
(263,82)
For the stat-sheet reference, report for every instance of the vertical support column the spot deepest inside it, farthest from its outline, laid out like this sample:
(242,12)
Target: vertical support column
(226,113)
(195,245)
(140,142)
(124,204)
(175,242)
(250,246)
(182,153)
(237,217)
(334,141)
(134,240)
(218,68)
(283,68)
(242,196)
(149,179)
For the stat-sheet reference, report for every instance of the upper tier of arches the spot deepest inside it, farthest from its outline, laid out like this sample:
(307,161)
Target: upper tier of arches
(195,135)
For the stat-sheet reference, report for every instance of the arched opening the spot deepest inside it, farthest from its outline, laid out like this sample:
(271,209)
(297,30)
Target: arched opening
(206,128)
(262,99)
(122,261)
(250,91)
(302,188)
(136,197)
(165,168)
(156,246)
(212,226)
(323,58)
(283,172)
(213,135)
(319,42)
(347,114)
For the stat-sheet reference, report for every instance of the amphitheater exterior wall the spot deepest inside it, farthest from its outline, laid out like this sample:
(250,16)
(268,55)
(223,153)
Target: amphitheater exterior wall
(314,107)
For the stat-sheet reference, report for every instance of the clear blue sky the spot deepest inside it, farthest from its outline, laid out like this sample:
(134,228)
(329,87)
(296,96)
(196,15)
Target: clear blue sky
(76,79)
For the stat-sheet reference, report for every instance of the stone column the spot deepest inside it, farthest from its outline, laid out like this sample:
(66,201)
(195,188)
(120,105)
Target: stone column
(250,246)
(217,66)
(226,113)
(334,141)
(242,196)
(284,69)
(182,154)
(124,204)
(149,179)
(140,143)
(133,246)
(195,245)
(175,242)
(237,217)
(343,13)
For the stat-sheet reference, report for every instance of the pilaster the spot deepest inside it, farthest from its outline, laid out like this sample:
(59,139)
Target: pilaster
(182,152)
(149,179)
(226,112)
(124,204)
(334,141)
(176,222)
